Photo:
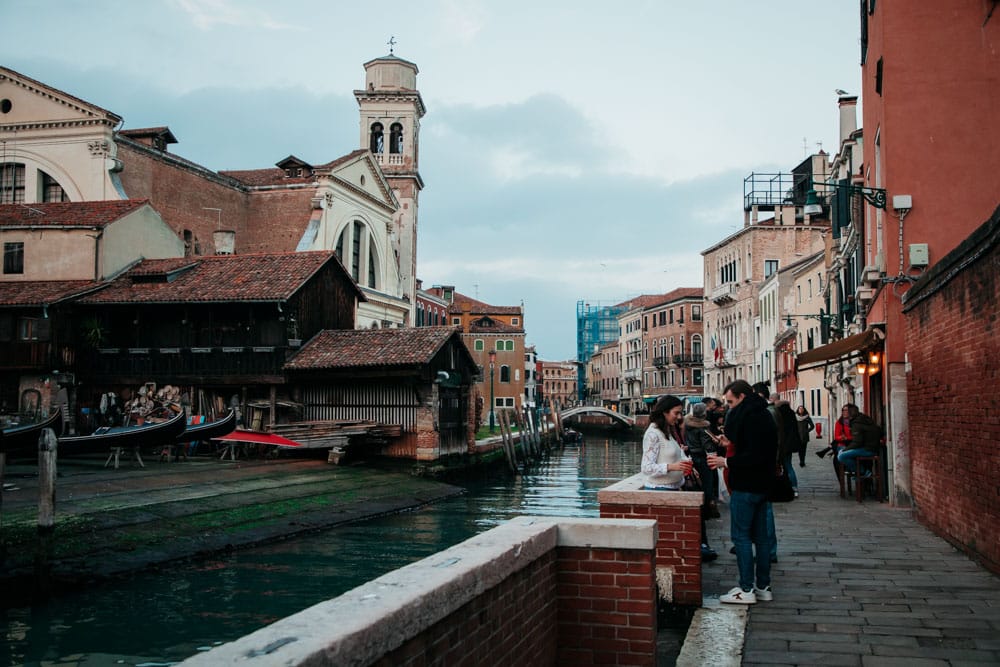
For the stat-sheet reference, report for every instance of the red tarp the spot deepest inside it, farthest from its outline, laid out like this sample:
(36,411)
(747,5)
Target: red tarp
(259,438)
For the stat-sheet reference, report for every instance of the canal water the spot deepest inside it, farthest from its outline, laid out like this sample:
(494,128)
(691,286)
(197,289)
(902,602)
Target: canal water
(163,617)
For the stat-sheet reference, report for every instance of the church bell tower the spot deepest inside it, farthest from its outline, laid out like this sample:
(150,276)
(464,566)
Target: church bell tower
(391,109)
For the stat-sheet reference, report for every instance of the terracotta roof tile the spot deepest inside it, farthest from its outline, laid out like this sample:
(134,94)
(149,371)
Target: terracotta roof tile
(462,303)
(331,350)
(270,176)
(497,326)
(218,278)
(42,292)
(68,214)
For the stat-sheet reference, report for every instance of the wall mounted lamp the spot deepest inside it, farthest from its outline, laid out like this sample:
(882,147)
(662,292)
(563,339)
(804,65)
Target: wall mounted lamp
(874,196)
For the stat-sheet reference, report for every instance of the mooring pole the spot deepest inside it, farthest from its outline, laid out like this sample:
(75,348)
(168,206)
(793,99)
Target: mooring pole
(47,444)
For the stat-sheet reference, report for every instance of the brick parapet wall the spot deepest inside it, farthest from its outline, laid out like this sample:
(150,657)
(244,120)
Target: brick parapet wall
(678,544)
(532,591)
(954,418)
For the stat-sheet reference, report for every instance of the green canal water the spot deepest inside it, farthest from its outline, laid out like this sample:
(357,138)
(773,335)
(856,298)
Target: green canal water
(163,617)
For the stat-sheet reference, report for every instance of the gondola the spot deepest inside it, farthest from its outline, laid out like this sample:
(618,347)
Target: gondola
(209,430)
(149,434)
(19,440)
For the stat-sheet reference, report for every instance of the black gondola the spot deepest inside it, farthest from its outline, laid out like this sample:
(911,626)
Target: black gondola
(209,430)
(146,435)
(19,440)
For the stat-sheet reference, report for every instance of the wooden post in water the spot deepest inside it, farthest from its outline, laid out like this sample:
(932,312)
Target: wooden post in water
(47,444)
(508,436)
(3,463)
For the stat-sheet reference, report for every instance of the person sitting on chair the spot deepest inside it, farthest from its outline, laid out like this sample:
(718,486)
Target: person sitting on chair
(865,438)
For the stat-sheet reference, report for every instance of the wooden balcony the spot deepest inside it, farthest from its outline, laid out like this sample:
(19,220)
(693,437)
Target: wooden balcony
(26,355)
(222,365)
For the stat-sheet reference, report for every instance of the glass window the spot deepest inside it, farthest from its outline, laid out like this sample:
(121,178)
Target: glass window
(13,257)
(11,183)
(770,267)
(505,373)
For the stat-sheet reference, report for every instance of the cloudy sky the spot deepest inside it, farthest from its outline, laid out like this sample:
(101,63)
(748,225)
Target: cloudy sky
(572,149)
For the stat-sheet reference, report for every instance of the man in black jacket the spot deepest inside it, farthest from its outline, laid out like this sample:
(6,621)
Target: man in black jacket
(752,432)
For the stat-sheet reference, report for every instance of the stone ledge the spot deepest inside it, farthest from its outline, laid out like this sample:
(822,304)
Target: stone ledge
(629,491)
(366,623)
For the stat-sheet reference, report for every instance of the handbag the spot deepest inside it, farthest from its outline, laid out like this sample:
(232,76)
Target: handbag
(780,490)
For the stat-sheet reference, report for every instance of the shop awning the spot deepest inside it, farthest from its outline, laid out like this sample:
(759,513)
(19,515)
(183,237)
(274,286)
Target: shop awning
(253,437)
(839,350)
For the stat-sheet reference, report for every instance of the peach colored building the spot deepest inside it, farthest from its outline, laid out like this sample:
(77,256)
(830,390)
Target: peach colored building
(559,382)
(736,266)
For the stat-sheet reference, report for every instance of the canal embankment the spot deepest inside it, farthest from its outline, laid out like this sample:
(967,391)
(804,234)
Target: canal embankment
(112,522)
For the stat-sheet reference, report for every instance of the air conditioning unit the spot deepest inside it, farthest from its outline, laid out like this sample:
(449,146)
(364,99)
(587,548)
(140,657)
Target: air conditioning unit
(864,294)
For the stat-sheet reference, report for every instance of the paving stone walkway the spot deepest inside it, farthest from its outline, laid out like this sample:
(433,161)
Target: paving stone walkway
(861,584)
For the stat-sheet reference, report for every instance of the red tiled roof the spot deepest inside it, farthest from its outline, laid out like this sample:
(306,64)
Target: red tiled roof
(276,175)
(163,131)
(678,294)
(461,303)
(218,278)
(498,326)
(329,350)
(68,214)
(270,176)
(42,292)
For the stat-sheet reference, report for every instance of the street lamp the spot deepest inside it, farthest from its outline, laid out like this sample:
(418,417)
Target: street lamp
(493,361)
(874,196)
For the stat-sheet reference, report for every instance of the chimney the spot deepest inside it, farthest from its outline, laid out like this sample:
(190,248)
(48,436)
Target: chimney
(225,241)
(848,117)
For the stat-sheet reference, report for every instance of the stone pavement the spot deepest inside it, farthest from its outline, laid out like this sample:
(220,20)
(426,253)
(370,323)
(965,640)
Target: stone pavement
(855,584)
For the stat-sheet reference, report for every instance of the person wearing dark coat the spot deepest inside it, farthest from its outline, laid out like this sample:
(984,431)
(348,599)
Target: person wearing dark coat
(866,438)
(789,442)
(700,444)
(753,434)
(805,428)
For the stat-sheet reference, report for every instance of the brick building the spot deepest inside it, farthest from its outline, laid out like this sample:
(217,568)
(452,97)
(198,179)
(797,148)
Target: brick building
(673,344)
(362,205)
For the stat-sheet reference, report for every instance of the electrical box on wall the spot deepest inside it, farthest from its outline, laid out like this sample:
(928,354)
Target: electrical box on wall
(919,254)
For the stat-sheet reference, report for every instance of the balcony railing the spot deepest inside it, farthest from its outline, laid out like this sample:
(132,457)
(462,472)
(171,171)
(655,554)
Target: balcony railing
(688,359)
(631,373)
(163,364)
(26,355)
(660,361)
(724,293)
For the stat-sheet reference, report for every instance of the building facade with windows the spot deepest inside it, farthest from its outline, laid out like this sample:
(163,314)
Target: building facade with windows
(596,325)
(494,335)
(776,233)
(559,382)
(362,205)
(673,345)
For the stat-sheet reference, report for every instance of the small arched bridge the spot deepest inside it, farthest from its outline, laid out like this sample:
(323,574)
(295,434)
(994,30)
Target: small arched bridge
(597,410)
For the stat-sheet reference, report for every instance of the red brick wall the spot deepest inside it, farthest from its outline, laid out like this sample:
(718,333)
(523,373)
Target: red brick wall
(954,418)
(573,606)
(607,607)
(678,543)
(510,624)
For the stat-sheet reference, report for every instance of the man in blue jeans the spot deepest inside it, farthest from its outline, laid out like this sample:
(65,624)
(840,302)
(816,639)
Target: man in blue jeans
(754,436)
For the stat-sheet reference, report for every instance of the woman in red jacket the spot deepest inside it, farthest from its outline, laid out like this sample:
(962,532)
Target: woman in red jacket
(841,437)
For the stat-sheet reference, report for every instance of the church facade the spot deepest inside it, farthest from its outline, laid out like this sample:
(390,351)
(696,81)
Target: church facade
(362,205)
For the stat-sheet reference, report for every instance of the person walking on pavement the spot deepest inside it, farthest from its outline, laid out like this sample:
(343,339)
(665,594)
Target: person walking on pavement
(806,425)
(753,434)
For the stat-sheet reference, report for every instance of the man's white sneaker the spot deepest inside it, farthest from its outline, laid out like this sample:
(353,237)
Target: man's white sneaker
(763,594)
(738,596)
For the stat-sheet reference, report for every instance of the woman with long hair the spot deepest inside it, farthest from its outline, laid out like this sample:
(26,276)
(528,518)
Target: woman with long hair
(664,462)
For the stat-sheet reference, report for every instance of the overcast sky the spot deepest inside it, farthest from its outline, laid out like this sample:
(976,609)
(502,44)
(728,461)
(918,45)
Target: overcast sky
(572,150)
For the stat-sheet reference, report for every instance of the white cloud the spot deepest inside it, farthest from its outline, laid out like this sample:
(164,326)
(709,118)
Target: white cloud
(207,14)
(462,20)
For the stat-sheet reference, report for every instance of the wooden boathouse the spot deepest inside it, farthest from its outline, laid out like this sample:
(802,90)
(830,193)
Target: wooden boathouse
(420,379)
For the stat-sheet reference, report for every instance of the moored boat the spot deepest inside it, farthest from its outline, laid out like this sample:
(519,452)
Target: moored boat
(150,434)
(24,439)
(209,430)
